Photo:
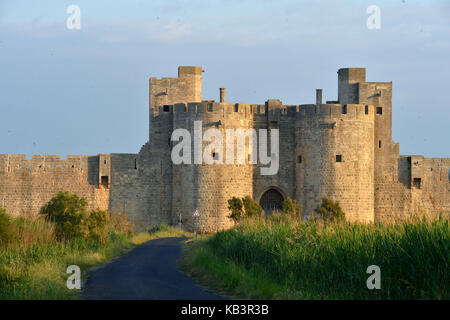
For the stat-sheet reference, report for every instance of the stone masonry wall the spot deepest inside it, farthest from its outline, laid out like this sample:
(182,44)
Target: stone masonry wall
(209,187)
(26,185)
(371,181)
(323,133)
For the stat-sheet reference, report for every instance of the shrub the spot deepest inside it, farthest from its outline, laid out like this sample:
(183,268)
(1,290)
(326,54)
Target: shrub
(120,223)
(330,210)
(243,208)
(251,207)
(7,234)
(235,205)
(159,228)
(68,212)
(291,207)
(98,225)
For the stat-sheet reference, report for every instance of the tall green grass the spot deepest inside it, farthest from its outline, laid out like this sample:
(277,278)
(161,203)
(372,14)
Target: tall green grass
(282,258)
(34,265)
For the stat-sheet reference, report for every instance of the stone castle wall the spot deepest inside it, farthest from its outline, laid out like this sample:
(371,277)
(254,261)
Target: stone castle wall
(208,187)
(371,180)
(325,133)
(26,185)
(423,187)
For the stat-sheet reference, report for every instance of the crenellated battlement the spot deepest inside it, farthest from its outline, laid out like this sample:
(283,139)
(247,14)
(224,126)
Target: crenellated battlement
(257,112)
(14,162)
(341,149)
(336,111)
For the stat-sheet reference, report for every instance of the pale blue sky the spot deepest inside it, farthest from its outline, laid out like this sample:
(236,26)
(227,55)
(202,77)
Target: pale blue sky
(86,91)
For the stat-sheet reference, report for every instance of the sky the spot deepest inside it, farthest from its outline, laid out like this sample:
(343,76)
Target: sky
(70,92)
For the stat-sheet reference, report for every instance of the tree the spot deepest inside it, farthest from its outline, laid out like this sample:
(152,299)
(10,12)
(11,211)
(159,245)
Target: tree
(330,210)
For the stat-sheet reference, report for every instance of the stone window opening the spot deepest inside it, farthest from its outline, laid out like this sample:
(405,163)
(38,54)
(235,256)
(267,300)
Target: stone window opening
(299,159)
(366,111)
(104,161)
(417,182)
(338,158)
(166,108)
(448,174)
(344,109)
(379,110)
(210,108)
(215,155)
(379,144)
(236,108)
(104,181)
(135,164)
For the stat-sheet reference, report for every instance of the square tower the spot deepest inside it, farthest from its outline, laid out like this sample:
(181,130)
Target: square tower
(192,76)
(348,79)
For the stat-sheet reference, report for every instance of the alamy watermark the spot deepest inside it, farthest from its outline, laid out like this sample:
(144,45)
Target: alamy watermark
(213,153)
(374,20)
(374,281)
(73,22)
(74,281)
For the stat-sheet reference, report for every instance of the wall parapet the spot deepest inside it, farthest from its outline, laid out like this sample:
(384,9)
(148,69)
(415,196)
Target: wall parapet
(9,162)
(255,111)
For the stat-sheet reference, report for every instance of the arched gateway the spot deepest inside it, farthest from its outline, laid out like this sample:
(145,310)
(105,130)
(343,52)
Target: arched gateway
(272,199)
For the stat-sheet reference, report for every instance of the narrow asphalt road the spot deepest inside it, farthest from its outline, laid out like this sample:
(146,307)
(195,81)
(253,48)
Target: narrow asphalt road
(148,271)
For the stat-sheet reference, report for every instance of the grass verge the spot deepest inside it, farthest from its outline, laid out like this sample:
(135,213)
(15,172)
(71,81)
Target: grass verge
(283,258)
(34,266)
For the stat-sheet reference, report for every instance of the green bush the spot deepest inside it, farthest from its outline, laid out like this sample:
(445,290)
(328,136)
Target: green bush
(243,208)
(291,207)
(7,234)
(68,212)
(159,228)
(235,205)
(330,210)
(72,220)
(98,225)
(251,207)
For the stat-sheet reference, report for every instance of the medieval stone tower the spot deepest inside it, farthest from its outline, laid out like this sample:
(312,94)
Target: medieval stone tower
(340,149)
